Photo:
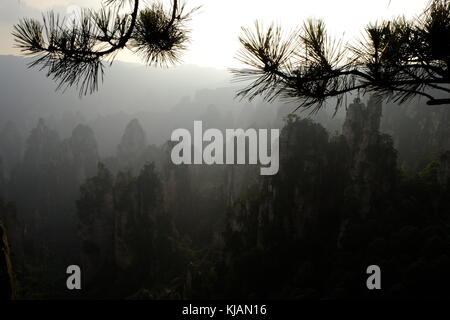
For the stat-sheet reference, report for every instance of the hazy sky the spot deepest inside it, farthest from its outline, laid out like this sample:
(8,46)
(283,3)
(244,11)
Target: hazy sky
(217,25)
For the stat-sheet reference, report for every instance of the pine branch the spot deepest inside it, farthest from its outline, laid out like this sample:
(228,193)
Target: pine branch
(74,55)
(399,59)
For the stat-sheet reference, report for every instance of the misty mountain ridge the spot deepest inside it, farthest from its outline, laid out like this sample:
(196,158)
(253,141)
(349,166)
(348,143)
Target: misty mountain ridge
(171,98)
(163,99)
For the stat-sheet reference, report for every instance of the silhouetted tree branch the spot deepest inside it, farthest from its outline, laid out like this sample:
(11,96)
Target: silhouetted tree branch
(74,52)
(398,60)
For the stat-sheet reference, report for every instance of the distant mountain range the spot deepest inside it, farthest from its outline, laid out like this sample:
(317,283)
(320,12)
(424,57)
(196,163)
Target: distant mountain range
(162,99)
(128,87)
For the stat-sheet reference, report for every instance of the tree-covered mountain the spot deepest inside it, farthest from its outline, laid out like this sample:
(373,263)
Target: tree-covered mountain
(90,182)
(142,227)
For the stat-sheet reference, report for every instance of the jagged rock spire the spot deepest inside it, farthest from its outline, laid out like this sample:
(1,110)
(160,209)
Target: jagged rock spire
(132,144)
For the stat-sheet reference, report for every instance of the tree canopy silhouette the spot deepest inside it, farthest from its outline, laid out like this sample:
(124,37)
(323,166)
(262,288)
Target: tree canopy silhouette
(74,52)
(398,60)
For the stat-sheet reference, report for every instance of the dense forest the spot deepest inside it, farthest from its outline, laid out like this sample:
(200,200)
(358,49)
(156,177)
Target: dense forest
(369,186)
(88,181)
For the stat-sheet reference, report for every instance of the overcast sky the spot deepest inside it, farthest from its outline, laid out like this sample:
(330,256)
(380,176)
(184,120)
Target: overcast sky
(217,25)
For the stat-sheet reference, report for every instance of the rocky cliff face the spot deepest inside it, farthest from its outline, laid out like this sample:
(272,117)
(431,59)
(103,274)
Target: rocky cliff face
(42,149)
(361,126)
(288,206)
(15,230)
(2,179)
(127,237)
(39,181)
(96,223)
(139,205)
(7,279)
(322,183)
(373,159)
(132,147)
(443,173)
(80,153)
(52,170)
(44,188)
(124,213)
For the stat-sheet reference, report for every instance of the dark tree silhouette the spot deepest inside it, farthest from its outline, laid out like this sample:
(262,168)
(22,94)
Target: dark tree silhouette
(398,60)
(7,285)
(74,52)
